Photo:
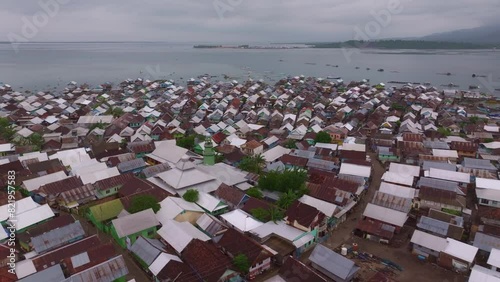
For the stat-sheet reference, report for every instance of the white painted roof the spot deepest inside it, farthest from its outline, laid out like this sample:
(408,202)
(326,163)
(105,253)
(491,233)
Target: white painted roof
(25,132)
(397,178)
(209,202)
(429,241)
(460,250)
(484,183)
(353,147)
(94,119)
(71,157)
(179,234)
(169,152)
(325,207)
(482,274)
(161,261)
(7,147)
(448,175)
(25,268)
(34,155)
(134,223)
(280,229)
(35,183)
(92,177)
(330,146)
(33,216)
(494,258)
(397,190)
(173,206)
(241,220)
(386,215)
(354,169)
(445,153)
(404,169)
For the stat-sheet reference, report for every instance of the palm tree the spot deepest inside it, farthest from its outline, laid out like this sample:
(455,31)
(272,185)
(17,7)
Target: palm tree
(287,199)
(275,214)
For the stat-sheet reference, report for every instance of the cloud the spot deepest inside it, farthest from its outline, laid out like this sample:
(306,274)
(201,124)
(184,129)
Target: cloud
(241,20)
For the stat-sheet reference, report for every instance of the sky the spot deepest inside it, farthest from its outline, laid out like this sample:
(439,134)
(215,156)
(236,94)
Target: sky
(225,21)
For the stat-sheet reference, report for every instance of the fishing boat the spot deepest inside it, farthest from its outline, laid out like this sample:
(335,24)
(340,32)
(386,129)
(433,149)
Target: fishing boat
(380,70)
(333,77)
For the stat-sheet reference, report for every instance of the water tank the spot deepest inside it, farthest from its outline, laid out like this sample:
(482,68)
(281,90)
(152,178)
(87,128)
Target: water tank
(343,251)
(354,247)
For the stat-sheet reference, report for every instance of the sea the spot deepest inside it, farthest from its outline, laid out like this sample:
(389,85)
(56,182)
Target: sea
(50,66)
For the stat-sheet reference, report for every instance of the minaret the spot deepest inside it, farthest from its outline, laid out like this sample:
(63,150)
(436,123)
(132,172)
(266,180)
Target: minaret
(208,153)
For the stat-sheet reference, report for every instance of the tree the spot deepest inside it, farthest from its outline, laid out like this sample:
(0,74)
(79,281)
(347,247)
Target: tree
(6,130)
(290,144)
(260,214)
(143,202)
(100,125)
(275,214)
(323,137)
(255,192)
(36,140)
(186,142)
(287,199)
(397,107)
(191,195)
(289,179)
(473,120)
(241,263)
(253,164)
(117,112)
(444,131)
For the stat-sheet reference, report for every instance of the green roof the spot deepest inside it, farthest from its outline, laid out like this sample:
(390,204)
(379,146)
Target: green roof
(106,210)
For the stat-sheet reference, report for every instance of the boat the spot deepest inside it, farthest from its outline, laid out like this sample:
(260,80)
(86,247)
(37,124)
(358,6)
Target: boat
(333,77)
(449,85)
(471,87)
(357,68)
(380,70)
(367,68)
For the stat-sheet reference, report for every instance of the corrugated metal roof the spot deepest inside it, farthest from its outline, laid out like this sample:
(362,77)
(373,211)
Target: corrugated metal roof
(131,165)
(478,164)
(440,165)
(392,201)
(433,225)
(57,237)
(154,170)
(106,271)
(332,262)
(145,250)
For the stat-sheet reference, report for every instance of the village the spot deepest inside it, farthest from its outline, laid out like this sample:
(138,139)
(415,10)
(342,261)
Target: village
(306,179)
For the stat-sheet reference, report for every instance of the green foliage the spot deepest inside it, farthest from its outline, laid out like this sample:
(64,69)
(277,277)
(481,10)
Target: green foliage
(323,137)
(274,214)
(488,140)
(260,214)
(255,192)
(290,144)
(186,142)
(283,181)
(36,140)
(397,107)
(191,195)
(253,164)
(6,130)
(473,120)
(444,131)
(115,112)
(241,263)
(100,125)
(143,202)
(287,199)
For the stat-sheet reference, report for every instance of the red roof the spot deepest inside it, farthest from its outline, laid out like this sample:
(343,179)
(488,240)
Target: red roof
(218,137)
(206,259)
(304,214)
(375,227)
(293,160)
(235,243)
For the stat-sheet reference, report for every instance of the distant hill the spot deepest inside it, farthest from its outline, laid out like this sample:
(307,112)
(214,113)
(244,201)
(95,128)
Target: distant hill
(402,44)
(479,35)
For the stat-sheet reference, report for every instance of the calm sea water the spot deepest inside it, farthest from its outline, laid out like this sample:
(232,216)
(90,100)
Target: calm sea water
(43,66)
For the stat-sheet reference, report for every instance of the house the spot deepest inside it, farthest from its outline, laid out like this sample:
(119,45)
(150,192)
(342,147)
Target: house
(240,220)
(333,265)
(481,274)
(295,270)
(179,234)
(253,148)
(427,246)
(457,256)
(57,237)
(386,215)
(305,217)
(127,229)
(208,262)
(134,166)
(178,209)
(211,204)
(233,243)
(233,197)
(110,186)
(102,214)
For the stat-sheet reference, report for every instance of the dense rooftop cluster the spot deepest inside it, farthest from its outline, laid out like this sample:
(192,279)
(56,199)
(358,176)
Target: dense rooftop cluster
(222,181)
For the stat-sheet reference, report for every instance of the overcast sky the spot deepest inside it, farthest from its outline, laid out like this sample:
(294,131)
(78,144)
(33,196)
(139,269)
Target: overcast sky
(246,21)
